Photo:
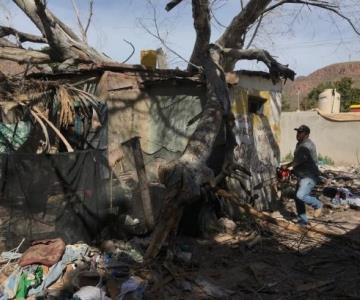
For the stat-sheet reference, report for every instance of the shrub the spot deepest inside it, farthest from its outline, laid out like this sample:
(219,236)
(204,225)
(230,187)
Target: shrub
(325,160)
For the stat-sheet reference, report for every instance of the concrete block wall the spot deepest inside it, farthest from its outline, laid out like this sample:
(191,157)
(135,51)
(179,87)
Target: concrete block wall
(338,140)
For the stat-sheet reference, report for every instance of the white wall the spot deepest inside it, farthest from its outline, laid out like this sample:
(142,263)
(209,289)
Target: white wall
(338,140)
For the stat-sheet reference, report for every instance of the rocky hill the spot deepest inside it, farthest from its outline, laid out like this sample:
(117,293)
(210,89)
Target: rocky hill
(304,84)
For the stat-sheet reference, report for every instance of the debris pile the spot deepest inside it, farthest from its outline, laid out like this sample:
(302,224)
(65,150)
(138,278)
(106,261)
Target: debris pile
(51,270)
(262,255)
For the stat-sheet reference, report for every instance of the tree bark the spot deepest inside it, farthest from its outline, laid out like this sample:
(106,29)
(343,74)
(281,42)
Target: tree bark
(201,16)
(21,36)
(276,69)
(5,43)
(234,33)
(24,56)
(64,43)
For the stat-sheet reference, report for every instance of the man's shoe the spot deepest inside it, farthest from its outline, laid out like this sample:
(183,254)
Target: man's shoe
(317,212)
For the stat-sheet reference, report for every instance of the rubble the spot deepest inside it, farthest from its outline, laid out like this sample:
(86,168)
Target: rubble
(261,255)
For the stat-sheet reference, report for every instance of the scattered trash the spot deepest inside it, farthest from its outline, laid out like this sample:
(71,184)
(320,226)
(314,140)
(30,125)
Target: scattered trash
(27,281)
(228,226)
(130,221)
(8,255)
(90,293)
(45,252)
(51,270)
(342,196)
(134,285)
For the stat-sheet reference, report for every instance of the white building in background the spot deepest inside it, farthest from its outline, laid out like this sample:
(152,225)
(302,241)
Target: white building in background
(329,101)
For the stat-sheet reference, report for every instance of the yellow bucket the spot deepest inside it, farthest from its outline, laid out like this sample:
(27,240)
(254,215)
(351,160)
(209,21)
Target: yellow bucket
(148,58)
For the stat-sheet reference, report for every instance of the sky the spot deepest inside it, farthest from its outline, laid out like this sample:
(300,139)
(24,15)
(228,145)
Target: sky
(305,39)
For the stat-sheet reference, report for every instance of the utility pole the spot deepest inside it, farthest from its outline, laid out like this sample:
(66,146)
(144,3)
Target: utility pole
(298,100)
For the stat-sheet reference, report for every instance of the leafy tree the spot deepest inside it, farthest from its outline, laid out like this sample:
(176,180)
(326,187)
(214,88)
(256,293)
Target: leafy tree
(349,95)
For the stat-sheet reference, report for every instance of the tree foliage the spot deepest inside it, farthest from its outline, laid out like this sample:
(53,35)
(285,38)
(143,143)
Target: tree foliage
(349,94)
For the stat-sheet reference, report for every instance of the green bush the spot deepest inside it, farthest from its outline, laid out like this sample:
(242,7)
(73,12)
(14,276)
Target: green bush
(325,160)
(288,157)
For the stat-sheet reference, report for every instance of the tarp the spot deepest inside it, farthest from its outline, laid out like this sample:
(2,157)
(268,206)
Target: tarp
(55,195)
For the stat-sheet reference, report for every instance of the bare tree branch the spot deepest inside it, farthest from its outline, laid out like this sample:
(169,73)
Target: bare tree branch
(5,43)
(64,44)
(172,4)
(83,29)
(30,9)
(162,41)
(157,35)
(216,20)
(232,37)
(321,4)
(276,69)
(131,54)
(91,7)
(21,36)
(77,14)
(255,32)
(201,16)
(24,56)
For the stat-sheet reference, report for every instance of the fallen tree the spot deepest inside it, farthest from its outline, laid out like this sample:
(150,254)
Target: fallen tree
(185,178)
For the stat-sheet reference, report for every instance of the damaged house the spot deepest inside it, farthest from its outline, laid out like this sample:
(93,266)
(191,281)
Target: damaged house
(95,151)
(81,150)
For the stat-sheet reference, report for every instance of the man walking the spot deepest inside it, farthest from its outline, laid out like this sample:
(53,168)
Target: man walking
(306,170)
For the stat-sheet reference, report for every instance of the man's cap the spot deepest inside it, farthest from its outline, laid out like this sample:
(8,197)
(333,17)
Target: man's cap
(303,128)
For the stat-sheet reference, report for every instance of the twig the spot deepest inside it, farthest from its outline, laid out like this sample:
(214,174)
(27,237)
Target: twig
(255,32)
(131,54)
(172,4)
(15,251)
(57,131)
(162,41)
(321,4)
(81,26)
(216,20)
(43,127)
(91,5)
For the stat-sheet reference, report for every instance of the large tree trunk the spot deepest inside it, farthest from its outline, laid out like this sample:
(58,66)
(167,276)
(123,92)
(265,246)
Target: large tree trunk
(64,44)
(185,178)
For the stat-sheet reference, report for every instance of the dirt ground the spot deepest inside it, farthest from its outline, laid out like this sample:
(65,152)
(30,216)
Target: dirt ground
(266,261)
(261,256)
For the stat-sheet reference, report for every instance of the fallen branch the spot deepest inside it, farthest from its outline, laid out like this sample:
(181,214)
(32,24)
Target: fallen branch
(24,56)
(57,131)
(43,127)
(172,4)
(21,36)
(287,224)
(276,69)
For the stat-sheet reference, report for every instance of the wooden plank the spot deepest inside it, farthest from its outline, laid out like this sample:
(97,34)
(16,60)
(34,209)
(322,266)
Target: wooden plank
(134,145)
